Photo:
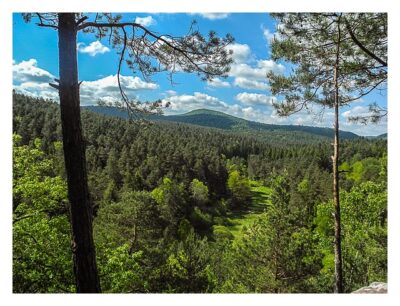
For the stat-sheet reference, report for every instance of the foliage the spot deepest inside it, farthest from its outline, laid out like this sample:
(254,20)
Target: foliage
(282,134)
(364,235)
(239,186)
(170,198)
(41,237)
(199,192)
(187,268)
(122,271)
(165,224)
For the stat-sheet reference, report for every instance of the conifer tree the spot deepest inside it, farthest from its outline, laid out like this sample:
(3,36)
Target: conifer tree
(338,58)
(141,50)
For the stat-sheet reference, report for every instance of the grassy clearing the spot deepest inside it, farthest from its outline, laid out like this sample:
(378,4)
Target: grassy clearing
(260,202)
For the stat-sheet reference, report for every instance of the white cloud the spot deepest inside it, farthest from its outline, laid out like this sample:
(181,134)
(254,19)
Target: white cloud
(255,99)
(268,35)
(250,84)
(212,16)
(27,71)
(248,72)
(357,127)
(185,103)
(217,82)
(241,52)
(31,80)
(170,93)
(270,65)
(94,48)
(256,73)
(145,21)
(42,90)
(356,111)
(107,89)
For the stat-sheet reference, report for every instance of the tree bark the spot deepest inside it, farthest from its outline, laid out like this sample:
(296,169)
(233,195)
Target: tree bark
(85,269)
(335,161)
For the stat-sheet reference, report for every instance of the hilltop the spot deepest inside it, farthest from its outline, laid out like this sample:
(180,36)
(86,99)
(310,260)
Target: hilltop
(215,119)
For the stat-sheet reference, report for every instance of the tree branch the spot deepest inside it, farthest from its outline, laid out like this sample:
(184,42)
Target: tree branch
(361,46)
(81,20)
(150,33)
(364,93)
(44,25)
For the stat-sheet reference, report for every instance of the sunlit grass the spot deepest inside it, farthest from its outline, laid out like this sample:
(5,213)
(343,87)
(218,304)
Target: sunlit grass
(260,201)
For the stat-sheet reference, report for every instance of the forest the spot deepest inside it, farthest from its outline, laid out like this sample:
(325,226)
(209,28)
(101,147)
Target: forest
(179,208)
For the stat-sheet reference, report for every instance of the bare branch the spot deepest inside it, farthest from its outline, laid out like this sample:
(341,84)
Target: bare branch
(81,20)
(54,86)
(45,25)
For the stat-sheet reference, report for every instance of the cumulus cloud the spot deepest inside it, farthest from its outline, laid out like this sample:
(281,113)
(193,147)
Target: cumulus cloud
(170,93)
(268,35)
(145,21)
(256,73)
(217,82)
(37,90)
(250,84)
(28,71)
(255,99)
(356,111)
(241,52)
(184,103)
(93,49)
(106,89)
(31,80)
(249,73)
(212,16)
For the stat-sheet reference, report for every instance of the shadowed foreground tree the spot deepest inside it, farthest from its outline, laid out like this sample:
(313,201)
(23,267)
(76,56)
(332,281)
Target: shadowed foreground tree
(142,50)
(338,59)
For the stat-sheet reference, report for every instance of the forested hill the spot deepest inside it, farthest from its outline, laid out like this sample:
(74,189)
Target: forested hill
(215,119)
(185,208)
(382,136)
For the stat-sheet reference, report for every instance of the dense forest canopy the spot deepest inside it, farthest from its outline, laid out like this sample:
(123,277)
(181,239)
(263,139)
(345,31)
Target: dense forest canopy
(183,208)
(285,134)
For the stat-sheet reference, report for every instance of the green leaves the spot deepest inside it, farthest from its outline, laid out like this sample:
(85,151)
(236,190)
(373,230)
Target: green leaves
(122,271)
(41,239)
(364,232)
(199,192)
(239,186)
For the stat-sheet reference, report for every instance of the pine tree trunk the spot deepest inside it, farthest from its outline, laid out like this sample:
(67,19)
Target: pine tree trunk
(335,161)
(84,256)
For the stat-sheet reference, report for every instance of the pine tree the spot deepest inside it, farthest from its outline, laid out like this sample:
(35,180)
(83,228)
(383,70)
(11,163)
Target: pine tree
(338,58)
(142,50)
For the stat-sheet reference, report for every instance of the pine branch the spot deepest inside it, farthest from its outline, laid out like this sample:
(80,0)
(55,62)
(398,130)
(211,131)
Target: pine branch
(361,46)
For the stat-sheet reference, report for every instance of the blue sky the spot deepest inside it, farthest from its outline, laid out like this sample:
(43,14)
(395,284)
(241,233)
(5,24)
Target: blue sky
(244,93)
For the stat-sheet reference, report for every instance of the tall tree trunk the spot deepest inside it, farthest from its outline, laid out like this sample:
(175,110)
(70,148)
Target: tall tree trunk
(85,268)
(335,161)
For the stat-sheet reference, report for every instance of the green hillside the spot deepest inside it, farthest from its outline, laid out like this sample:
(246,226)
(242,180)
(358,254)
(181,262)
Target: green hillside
(262,131)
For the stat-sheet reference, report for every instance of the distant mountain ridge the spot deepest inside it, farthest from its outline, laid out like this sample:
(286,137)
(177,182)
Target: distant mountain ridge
(219,120)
